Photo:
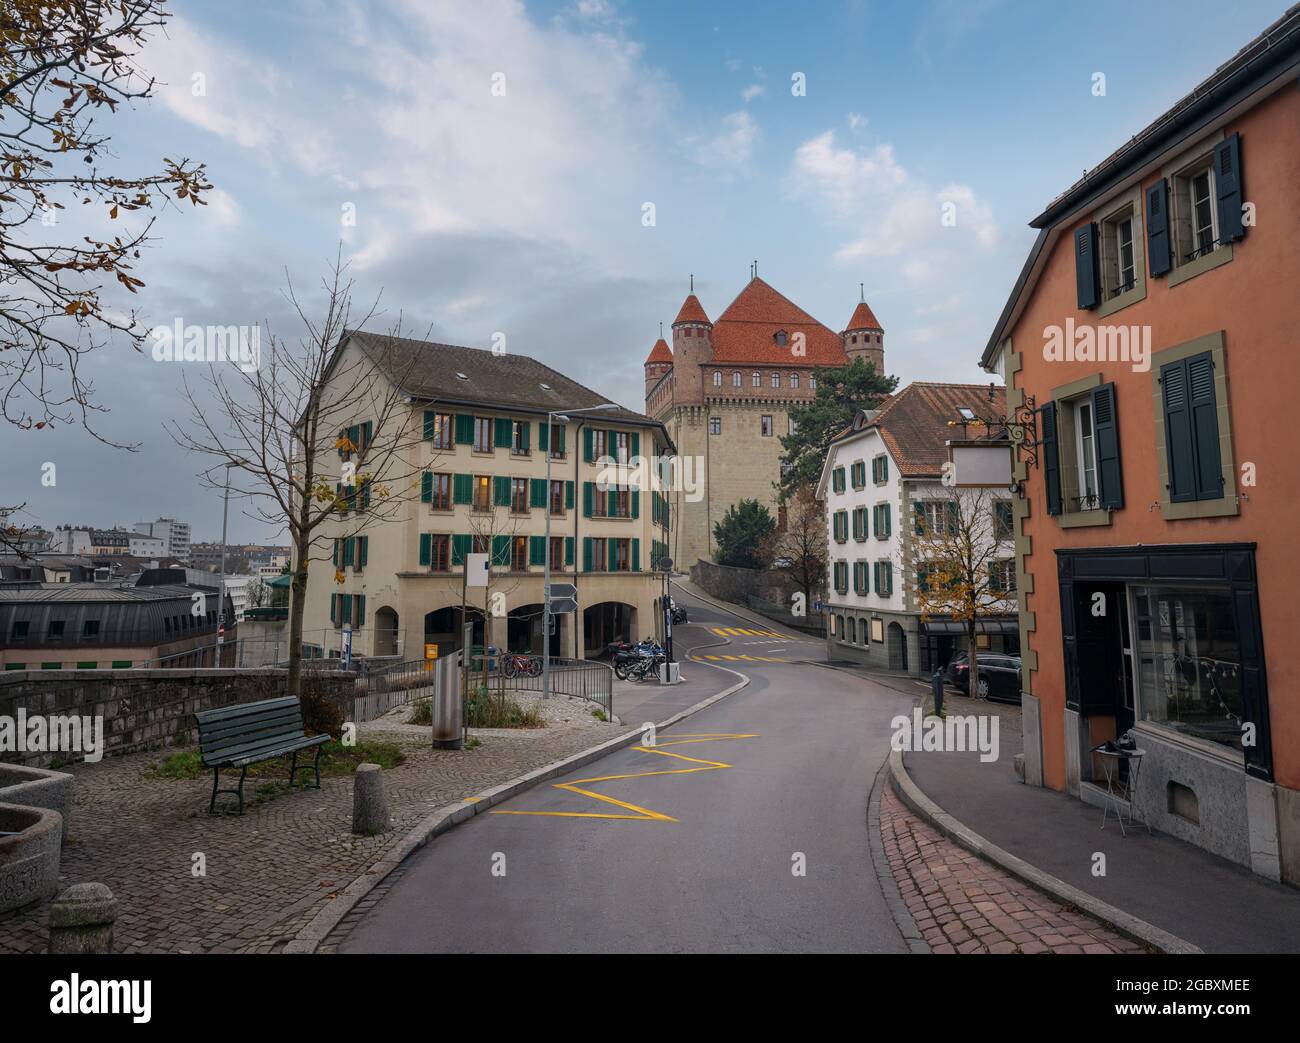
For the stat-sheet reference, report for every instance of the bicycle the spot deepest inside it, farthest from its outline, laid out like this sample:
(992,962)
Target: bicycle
(520,664)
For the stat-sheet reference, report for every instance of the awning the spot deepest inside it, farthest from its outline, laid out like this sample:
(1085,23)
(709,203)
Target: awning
(997,625)
(281,581)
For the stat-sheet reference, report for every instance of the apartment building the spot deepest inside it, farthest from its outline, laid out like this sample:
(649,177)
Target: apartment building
(883,485)
(479,451)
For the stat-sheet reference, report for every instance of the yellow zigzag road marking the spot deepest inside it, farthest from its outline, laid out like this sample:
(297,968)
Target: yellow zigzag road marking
(641,814)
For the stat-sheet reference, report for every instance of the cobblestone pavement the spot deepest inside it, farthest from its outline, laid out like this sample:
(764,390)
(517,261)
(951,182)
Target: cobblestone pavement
(269,871)
(963,904)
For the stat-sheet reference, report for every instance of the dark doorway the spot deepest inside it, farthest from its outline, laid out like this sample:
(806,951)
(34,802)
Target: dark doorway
(1104,656)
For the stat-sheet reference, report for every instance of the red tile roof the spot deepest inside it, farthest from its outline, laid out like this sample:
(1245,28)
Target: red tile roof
(863,319)
(692,311)
(660,353)
(914,422)
(746,331)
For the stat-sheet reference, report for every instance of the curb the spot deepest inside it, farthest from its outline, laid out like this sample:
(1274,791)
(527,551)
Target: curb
(1126,924)
(884,875)
(314,932)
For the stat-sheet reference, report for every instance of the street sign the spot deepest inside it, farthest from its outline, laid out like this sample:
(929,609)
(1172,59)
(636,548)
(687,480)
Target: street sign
(430,654)
(476,570)
(347,647)
(562,598)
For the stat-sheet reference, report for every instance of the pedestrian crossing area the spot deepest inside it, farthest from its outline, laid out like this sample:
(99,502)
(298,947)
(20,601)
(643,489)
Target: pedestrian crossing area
(742,632)
(739,658)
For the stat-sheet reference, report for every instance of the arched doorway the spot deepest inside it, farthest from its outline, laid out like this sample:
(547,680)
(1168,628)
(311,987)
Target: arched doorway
(443,628)
(897,647)
(384,640)
(524,630)
(605,623)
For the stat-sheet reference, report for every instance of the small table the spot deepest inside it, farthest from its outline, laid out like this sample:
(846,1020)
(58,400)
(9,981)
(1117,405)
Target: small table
(1111,757)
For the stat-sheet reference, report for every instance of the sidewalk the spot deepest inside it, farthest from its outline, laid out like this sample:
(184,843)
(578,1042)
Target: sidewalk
(1203,899)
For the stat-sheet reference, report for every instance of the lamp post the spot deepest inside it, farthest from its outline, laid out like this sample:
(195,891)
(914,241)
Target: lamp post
(221,589)
(562,415)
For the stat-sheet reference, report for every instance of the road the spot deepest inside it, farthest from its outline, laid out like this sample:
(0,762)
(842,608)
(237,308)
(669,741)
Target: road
(742,830)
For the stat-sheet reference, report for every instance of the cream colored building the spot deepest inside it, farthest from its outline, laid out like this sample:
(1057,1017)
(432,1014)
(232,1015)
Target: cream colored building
(724,393)
(473,462)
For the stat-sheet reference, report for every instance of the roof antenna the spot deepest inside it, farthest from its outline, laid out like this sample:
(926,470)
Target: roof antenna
(661,331)
(692,282)
(755,267)
(862,292)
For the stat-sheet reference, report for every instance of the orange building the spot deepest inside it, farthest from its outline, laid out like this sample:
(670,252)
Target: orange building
(1148,344)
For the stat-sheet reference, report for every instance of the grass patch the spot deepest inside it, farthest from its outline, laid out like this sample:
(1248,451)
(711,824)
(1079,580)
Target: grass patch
(335,760)
(500,711)
(421,712)
(599,714)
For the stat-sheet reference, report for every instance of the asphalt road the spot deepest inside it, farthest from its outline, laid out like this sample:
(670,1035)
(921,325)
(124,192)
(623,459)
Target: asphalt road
(693,846)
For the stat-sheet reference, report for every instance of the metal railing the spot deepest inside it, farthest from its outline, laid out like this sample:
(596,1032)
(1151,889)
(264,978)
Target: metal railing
(386,687)
(576,678)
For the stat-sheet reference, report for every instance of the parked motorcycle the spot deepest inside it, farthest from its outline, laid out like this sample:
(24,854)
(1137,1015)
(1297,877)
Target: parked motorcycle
(676,611)
(629,659)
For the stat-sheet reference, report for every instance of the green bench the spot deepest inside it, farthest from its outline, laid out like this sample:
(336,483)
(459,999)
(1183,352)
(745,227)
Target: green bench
(237,736)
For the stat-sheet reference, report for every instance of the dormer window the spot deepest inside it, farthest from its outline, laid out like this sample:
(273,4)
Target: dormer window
(782,338)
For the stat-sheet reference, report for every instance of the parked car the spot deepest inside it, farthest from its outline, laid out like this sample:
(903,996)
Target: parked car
(999,675)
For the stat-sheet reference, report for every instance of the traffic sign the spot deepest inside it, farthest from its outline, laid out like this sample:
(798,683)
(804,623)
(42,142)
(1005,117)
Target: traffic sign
(562,598)
(476,570)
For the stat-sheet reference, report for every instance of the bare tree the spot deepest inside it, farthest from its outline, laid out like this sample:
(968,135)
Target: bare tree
(62,65)
(960,561)
(488,525)
(285,427)
(798,549)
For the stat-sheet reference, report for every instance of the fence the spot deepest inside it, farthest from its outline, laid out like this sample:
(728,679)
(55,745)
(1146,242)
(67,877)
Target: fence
(578,678)
(398,684)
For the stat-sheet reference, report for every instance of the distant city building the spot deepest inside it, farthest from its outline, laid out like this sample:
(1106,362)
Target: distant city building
(174,534)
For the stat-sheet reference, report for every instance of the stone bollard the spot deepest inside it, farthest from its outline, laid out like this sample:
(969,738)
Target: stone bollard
(1019,762)
(369,806)
(81,921)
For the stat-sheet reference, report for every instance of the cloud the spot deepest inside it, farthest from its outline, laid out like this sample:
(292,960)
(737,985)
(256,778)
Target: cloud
(754,90)
(887,212)
(731,147)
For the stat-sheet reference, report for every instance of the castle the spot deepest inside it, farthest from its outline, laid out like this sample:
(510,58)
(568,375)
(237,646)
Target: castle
(724,390)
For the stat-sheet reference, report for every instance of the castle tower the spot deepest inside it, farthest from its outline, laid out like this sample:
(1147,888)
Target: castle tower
(864,337)
(657,363)
(692,347)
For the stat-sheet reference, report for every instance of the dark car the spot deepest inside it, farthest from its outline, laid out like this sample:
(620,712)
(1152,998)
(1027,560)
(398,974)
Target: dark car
(999,675)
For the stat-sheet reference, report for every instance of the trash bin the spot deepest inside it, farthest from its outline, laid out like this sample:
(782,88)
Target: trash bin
(446,705)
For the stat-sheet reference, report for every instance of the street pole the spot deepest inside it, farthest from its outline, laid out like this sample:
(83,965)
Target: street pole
(221,589)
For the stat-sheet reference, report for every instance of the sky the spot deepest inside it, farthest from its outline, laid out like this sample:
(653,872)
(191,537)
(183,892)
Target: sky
(491,166)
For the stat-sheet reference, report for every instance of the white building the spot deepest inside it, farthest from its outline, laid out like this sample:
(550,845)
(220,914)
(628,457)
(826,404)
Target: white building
(147,546)
(882,475)
(174,534)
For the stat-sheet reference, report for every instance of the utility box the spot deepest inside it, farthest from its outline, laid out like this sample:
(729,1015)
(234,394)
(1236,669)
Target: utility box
(670,673)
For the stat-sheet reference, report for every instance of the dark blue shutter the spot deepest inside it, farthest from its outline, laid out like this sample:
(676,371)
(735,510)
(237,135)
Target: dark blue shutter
(1051,458)
(1110,484)
(1180,448)
(1085,266)
(1227,187)
(1205,427)
(1157,215)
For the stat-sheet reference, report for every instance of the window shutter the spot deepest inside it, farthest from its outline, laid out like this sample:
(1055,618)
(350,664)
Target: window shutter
(462,488)
(349,551)
(504,432)
(611,503)
(500,550)
(884,468)
(588,450)
(636,503)
(426,487)
(1180,446)
(336,552)
(1085,266)
(501,490)
(536,550)
(361,610)
(334,608)
(613,554)
(559,440)
(525,436)
(1157,218)
(346,601)
(430,423)
(460,546)
(588,491)
(634,444)
(543,436)
(1227,186)
(426,548)
(363,553)
(368,430)
(464,429)
(636,555)
(586,553)
(1205,427)
(918,519)
(954,520)
(537,489)
(568,496)
(1051,461)
(1110,485)
(343,434)
(568,550)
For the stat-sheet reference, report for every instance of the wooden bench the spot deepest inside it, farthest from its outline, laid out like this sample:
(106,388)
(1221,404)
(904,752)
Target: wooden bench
(237,736)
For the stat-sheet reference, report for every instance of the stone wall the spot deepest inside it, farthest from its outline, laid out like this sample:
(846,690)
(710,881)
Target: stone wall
(143,709)
(765,592)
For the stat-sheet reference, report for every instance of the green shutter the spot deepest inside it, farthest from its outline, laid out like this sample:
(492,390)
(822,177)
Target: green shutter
(588,452)
(1051,458)
(343,434)
(568,496)
(500,550)
(611,503)
(426,487)
(334,608)
(525,441)
(505,433)
(460,546)
(588,492)
(369,429)
(918,511)
(612,554)
(954,520)
(543,436)
(559,439)
(464,429)
(462,488)
(501,490)
(636,503)
(537,550)
(346,601)
(361,610)
(537,493)
(336,552)
(349,546)
(430,423)
(636,555)
(426,548)
(364,553)
(634,444)
(586,554)
(568,550)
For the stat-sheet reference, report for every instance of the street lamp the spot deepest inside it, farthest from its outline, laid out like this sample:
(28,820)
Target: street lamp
(221,589)
(562,415)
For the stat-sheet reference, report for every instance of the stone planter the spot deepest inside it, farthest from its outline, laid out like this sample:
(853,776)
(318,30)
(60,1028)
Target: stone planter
(31,840)
(37,788)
